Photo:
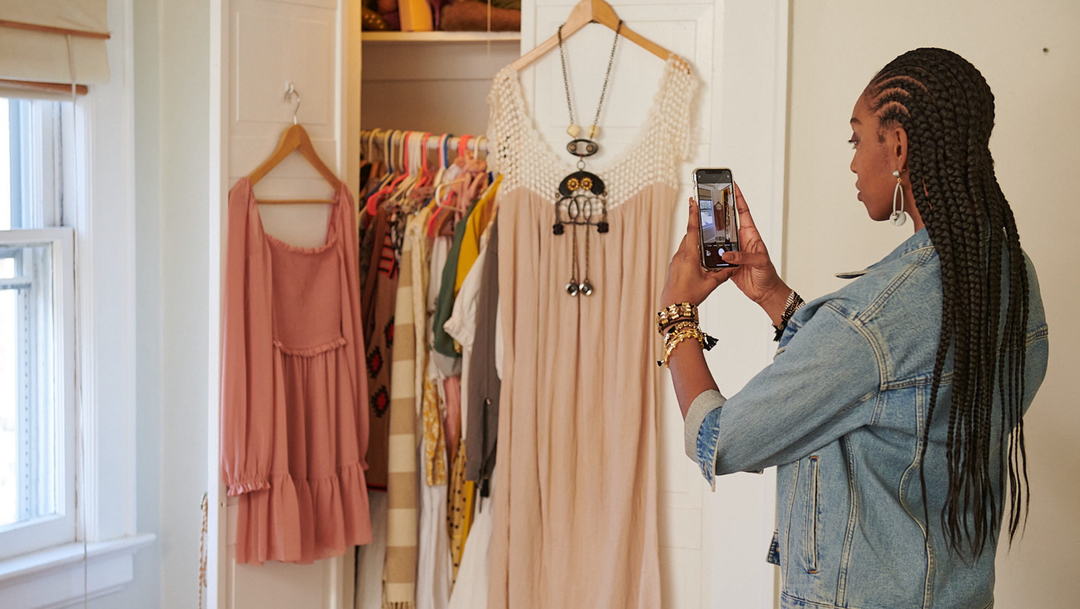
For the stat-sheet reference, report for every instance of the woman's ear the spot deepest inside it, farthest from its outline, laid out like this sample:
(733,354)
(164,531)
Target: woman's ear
(900,147)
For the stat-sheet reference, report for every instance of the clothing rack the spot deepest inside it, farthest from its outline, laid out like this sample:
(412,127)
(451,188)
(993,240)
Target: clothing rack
(389,144)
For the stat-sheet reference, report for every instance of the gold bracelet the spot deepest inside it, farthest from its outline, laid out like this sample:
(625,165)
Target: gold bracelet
(671,314)
(682,325)
(677,337)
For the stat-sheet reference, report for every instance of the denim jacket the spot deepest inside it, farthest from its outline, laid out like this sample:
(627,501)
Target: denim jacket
(841,410)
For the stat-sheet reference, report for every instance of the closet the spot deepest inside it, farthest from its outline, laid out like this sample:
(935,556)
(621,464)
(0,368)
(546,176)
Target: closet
(713,545)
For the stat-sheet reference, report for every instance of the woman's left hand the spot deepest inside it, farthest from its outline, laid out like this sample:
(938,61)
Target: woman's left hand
(687,281)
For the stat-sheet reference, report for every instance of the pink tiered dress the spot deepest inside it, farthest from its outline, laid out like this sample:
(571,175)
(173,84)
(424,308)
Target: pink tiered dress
(294,401)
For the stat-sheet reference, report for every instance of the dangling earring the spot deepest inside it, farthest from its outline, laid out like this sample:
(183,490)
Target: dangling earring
(898,216)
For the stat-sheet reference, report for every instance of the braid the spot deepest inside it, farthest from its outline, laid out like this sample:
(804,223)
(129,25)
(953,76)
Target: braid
(947,109)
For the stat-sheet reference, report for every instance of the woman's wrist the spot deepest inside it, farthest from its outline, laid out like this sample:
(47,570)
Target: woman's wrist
(774,303)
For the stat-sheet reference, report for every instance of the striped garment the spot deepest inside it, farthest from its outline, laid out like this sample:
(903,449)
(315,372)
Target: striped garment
(399,573)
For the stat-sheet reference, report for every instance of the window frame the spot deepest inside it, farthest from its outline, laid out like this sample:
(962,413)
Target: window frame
(99,205)
(44,532)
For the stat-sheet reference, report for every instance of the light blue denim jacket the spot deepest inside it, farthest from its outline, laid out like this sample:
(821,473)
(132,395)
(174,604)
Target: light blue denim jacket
(841,411)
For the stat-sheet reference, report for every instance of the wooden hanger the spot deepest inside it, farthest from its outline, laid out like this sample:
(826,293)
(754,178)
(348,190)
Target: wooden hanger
(584,13)
(295,139)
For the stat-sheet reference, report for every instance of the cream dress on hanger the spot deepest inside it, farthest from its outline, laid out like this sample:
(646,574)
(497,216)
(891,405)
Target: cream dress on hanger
(575,490)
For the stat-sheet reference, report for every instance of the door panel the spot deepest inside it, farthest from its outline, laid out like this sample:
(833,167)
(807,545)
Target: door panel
(266,45)
(738,49)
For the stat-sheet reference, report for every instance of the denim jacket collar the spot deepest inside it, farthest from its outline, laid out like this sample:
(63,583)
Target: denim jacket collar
(920,239)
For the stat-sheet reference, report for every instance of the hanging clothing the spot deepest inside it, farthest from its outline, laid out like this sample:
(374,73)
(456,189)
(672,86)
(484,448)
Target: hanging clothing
(471,586)
(463,327)
(379,304)
(434,573)
(399,589)
(482,383)
(444,306)
(460,511)
(475,226)
(433,400)
(294,400)
(576,482)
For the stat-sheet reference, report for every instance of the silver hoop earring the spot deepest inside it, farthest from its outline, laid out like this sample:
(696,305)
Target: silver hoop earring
(898,216)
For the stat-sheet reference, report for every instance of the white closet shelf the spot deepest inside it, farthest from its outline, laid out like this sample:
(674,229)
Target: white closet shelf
(440,37)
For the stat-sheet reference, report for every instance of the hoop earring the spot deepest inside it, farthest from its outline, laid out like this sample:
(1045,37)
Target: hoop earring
(898,216)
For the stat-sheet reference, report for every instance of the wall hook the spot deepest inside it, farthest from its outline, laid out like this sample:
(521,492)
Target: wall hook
(290,93)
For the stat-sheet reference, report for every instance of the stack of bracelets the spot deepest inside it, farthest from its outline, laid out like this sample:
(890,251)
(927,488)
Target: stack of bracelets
(677,323)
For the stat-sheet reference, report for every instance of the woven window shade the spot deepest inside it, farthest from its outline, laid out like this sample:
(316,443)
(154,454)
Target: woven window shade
(34,43)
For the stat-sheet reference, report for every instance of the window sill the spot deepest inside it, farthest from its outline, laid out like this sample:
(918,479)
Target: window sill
(54,577)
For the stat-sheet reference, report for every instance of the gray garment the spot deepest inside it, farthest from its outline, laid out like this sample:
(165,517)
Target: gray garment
(484,384)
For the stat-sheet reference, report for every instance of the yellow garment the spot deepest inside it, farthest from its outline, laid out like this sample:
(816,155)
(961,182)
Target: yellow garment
(477,222)
(434,440)
(459,514)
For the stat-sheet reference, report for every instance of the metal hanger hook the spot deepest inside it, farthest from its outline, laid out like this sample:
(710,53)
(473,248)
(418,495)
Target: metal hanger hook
(290,93)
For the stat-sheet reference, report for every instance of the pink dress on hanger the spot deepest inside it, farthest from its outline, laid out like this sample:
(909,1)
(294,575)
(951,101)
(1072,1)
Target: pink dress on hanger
(294,400)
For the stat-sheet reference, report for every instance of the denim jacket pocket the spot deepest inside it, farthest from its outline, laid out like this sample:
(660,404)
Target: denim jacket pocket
(812,507)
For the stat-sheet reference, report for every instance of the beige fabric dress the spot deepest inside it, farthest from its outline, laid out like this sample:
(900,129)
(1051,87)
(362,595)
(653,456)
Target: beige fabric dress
(575,491)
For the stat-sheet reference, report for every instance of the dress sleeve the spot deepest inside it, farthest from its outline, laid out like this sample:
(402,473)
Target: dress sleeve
(820,386)
(247,422)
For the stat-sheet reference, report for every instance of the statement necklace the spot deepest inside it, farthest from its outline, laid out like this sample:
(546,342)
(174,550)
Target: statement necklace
(581,199)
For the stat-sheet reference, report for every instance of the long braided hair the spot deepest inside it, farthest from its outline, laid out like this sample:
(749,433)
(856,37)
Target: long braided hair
(947,109)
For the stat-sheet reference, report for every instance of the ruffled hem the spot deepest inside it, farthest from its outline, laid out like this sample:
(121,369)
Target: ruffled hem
(301,521)
(246,486)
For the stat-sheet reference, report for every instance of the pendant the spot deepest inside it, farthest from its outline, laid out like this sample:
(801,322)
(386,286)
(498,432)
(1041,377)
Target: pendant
(581,201)
(582,180)
(582,148)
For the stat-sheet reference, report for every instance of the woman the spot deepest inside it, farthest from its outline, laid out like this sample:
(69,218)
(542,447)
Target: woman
(894,406)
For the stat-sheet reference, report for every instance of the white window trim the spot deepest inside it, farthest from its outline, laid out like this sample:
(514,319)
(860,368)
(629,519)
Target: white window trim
(100,205)
(24,537)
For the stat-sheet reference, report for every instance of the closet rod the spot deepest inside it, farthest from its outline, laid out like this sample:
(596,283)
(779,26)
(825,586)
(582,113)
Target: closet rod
(433,141)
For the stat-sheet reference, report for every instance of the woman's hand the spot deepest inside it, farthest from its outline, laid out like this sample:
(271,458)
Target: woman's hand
(687,281)
(755,276)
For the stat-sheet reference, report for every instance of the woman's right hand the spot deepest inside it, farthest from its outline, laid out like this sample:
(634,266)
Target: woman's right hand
(755,276)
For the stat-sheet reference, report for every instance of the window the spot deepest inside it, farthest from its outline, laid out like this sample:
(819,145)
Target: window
(37,414)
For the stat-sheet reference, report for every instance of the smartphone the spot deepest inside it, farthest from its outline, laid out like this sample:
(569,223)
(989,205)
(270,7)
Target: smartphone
(719,219)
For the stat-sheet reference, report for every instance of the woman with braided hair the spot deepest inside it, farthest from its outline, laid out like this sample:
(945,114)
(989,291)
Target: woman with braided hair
(894,406)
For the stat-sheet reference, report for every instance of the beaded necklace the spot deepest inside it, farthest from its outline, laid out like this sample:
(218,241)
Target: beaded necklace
(582,195)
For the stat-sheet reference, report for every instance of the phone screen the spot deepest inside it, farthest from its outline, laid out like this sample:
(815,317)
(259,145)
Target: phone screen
(716,205)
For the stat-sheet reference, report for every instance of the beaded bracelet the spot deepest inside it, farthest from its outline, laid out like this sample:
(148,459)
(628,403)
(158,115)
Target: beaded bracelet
(793,303)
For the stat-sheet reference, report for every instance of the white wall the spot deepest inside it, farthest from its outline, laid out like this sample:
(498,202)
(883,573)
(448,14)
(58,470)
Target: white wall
(836,48)
(172,140)
(145,590)
(184,36)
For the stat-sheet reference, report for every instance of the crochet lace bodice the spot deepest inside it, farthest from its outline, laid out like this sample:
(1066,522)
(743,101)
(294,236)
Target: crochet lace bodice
(524,158)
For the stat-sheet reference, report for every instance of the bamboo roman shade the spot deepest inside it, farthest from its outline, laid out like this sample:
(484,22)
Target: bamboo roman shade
(34,42)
